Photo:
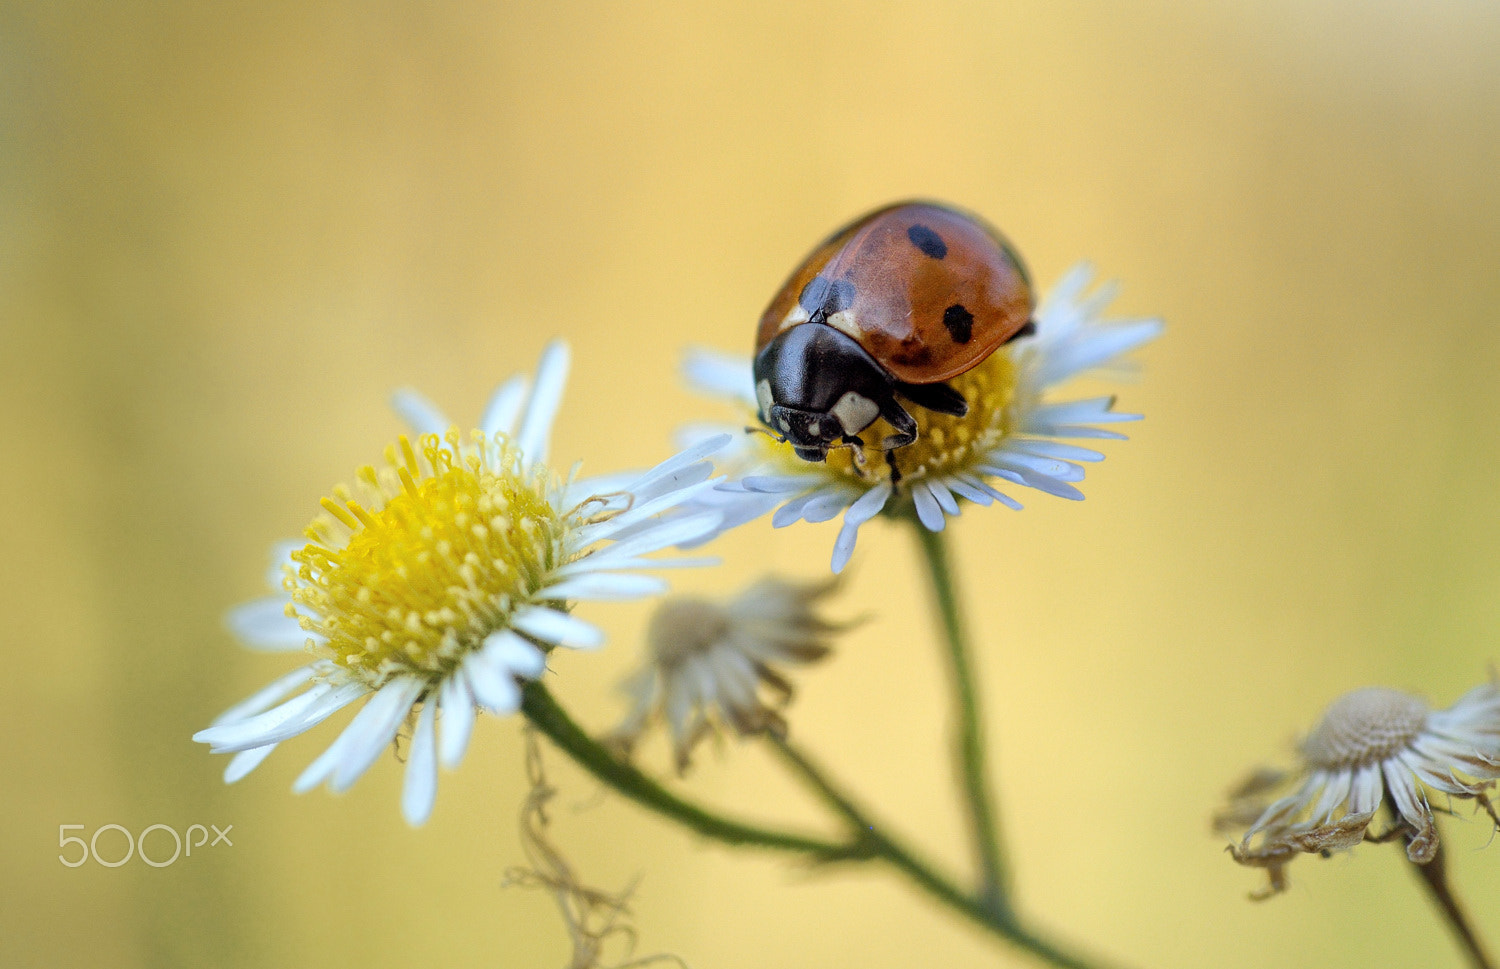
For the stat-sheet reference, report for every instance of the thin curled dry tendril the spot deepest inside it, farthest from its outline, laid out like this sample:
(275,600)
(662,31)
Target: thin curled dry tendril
(603,500)
(593,917)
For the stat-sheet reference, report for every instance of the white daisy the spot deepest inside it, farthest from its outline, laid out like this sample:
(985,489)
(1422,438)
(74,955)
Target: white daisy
(1009,435)
(708,662)
(443,577)
(1371,744)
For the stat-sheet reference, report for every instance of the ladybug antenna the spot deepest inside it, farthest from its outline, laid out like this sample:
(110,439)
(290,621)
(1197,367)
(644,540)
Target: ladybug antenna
(778,438)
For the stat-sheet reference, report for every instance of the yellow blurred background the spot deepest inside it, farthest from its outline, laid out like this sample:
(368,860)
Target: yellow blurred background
(228,231)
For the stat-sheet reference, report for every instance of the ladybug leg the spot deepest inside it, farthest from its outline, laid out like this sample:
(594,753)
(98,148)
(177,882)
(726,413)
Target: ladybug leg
(1026,330)
(906,427)
(935,397)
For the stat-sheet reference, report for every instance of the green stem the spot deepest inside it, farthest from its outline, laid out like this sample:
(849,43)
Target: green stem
(867,841)
(551,719)
(888,849)
(969,739)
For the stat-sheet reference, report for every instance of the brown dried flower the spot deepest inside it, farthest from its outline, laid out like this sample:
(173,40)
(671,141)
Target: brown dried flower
(710,661)
(1370,744)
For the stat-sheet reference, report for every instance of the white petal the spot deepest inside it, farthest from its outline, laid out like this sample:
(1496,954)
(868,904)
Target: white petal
(653,537)
(791,512)
(419,413)
(606,587)
(1094,410)
(516,654)
(267,697)
(419,788)
(598,486)
(247,733)
(643,511)
(1404,792)
(382,717)
(736,509)
(776,484)
(328,761)
(264,624)
(1023,463)
(1060,298)
(944,497)
(681,469)
(989,489)
(552,626)
(867,507)
(256,733)
(1364,795)
(1031,479)
(1055,449)
(966,490)
(1334,793)
(535,435)
(927,507)
(458,719)
(493,686)
(504,407)
(246,761)
(1092,349)
(616,564)
(719,374)
(826,504)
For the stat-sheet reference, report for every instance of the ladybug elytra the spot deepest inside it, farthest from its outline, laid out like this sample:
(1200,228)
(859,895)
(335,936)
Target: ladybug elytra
(879,317)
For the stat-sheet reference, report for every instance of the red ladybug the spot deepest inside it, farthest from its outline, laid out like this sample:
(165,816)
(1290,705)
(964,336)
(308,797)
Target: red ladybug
(879,316)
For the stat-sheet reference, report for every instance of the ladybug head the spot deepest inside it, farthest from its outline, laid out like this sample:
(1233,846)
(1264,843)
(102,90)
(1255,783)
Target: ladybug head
(816,385)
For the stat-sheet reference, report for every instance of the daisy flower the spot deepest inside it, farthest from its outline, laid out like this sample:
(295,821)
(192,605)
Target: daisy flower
(1010,435)
(444,576)
(708,662)
(1372,744)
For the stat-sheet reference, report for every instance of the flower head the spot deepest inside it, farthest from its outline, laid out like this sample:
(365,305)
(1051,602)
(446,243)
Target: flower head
(1009,435)
(442,577)
(1371,744)
(708,662)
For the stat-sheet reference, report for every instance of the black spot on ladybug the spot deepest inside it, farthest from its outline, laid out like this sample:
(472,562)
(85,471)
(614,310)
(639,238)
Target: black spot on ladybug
(821,298)
(928,241)
(960,323)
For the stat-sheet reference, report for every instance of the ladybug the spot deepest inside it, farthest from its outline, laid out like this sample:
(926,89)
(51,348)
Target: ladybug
(877,318)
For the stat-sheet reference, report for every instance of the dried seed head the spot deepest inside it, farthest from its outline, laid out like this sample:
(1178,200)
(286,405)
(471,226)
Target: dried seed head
(1364,727)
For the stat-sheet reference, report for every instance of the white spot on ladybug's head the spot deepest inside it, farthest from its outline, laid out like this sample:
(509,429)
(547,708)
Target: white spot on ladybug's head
(797,315)
(845,323)
(814,429)
(763,397)
(855,413)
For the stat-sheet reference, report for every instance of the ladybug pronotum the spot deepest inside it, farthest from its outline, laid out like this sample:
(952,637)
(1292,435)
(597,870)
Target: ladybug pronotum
(877,318)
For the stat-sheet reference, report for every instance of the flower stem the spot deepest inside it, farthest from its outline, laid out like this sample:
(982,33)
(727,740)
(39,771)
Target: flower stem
(1435,877)
(867,841)
(890,850)
(969,738)
(551,719)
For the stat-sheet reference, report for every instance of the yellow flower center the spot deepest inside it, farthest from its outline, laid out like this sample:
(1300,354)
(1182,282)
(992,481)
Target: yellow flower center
(1364,727)
(944,444)
(446,542)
